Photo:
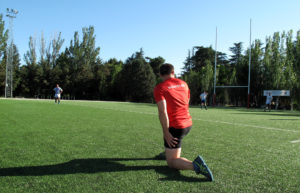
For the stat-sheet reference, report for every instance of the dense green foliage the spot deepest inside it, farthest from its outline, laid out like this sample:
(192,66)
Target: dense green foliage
(137,79)
(275,66)
(3,42)
(110,147)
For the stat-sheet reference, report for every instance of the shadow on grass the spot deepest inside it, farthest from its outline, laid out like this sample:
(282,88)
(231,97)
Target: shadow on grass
(89,166)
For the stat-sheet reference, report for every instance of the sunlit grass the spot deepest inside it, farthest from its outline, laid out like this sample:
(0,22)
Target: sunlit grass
(109,147)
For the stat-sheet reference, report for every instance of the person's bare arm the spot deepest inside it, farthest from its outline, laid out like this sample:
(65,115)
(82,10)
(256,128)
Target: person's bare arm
(164,121)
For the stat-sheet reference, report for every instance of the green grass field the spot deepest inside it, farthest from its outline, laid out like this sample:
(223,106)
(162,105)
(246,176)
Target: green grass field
(110,147)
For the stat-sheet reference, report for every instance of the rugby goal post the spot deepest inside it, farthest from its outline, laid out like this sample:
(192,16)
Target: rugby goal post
(249,71)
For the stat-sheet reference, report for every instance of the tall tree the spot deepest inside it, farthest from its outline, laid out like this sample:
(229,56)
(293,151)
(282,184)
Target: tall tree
(297,66)
(155,63)
(239,73)
(236,57)
(289,71)
(198,71)
(256,81)
(47,61)
(193,79)
(267,65)
(201,56)
(32,72)
(56,45)
(3,36)
(16,70)
(112,69)
(137,79)
(3,43)
(206,75)
(276,61)
(84,56)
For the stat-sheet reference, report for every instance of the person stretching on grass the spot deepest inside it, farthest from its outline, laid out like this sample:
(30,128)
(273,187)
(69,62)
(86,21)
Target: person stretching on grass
(172,97)
(58,92)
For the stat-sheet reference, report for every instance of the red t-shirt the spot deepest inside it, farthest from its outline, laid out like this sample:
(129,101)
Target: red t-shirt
(177,95)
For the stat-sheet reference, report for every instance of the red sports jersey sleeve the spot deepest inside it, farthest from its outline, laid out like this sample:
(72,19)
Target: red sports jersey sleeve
(158,94)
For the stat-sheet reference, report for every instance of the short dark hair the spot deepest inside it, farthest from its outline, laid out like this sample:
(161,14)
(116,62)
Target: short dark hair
(166,69)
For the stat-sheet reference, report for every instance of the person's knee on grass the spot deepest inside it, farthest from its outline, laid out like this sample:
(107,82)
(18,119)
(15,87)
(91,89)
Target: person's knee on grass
(171,155)
(170,163)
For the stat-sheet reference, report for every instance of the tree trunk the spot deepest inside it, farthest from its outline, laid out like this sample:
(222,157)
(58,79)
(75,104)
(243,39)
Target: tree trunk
(277,103)
(292,104)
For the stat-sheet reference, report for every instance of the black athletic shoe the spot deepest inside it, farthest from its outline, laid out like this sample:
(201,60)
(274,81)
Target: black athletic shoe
(200,167)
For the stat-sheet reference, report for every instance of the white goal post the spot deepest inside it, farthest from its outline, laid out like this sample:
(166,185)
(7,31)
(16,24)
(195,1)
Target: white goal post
(232,86)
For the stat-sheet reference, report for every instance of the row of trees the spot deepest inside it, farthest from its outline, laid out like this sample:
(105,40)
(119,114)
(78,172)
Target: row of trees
(80,71)
(83,75)
(275,66)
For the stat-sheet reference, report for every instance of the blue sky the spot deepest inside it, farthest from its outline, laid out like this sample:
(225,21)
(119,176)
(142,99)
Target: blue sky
(166,28)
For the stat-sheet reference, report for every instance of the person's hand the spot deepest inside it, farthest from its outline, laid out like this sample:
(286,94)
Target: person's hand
(171,141)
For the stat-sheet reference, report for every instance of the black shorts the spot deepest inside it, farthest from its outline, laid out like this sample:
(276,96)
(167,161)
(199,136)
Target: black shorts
(179,134)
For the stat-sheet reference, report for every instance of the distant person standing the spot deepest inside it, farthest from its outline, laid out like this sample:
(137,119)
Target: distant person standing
(269,101)
(203,99)
(58,92)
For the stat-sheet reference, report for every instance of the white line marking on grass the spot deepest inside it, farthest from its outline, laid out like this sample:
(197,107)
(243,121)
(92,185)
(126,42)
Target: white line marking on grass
(246,125)
(223,122)
(68,100)
(149,113)
(295,141)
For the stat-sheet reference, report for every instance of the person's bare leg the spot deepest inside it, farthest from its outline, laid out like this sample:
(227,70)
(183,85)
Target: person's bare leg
(175,161)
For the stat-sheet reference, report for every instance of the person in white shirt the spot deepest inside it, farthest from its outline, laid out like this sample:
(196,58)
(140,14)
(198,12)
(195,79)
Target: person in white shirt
(269,101)
(58,92)
(203,99)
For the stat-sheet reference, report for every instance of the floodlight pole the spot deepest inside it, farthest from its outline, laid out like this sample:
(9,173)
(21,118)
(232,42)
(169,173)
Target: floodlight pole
(11,14)
(214,97)
(249,73)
